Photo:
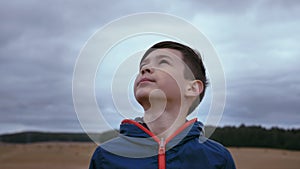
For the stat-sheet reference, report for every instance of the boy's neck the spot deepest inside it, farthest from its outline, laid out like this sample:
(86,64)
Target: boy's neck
(163,120)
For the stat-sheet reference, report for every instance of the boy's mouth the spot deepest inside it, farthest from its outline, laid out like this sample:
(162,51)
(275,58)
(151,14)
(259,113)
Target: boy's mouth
(145,80)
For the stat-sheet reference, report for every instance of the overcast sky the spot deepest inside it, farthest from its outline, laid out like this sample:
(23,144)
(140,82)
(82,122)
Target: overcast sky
(257,43)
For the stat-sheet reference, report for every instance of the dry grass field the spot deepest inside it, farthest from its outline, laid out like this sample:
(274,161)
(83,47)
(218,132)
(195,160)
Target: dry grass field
(77,156)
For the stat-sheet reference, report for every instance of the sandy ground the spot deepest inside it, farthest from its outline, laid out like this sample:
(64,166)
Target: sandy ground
(77,156)
(262,158)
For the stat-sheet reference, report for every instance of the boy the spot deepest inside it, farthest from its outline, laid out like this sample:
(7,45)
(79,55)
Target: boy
(170,84)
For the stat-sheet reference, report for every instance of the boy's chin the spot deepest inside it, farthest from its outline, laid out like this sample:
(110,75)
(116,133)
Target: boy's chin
(154,95)
(142,94)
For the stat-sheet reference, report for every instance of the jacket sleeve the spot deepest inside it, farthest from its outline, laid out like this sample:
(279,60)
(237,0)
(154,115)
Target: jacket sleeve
(229,162)
(95,162)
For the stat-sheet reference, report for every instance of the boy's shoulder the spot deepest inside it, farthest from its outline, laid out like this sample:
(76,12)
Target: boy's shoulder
(210,144)
(210,149)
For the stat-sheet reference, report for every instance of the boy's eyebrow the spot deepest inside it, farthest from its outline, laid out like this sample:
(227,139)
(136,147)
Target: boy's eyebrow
(158,57)
(164,56)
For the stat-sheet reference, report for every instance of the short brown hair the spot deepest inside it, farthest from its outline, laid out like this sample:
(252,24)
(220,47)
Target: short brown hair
(191,58)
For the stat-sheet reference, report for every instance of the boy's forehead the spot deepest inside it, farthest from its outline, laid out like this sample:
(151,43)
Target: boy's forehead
(164,53)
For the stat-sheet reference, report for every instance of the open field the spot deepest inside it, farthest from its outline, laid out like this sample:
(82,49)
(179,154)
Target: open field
(77,156)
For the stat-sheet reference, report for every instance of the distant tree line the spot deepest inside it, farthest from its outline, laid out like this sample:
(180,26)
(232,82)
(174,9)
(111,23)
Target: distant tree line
(242,136)
(32,137)
(257,136)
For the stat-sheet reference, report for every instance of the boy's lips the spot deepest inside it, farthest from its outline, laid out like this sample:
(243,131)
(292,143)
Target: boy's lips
(144,80)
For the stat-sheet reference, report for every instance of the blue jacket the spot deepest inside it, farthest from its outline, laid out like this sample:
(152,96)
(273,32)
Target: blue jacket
(138,148)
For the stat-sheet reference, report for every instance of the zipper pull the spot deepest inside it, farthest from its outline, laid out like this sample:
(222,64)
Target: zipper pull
(161,146)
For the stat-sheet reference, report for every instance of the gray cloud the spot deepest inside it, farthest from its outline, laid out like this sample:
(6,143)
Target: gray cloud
(257,46)
(265,99)
(39,43)
(40,40)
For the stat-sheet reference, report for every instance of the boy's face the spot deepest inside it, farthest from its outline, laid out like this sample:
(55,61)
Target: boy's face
(162,69)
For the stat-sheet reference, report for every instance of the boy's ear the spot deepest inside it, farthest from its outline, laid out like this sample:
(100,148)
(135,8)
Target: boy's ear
(194,88)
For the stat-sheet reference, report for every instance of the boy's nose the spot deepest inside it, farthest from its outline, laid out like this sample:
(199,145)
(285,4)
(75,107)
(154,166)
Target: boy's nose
(146,69)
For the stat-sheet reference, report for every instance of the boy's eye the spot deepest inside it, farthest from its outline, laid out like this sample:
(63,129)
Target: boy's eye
(163,61)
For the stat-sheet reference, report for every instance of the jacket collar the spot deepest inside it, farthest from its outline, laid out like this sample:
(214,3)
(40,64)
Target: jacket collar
(135,128)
